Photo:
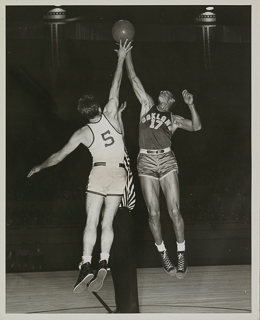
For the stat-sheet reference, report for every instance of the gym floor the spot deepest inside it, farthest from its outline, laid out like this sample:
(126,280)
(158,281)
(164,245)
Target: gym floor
(205,289)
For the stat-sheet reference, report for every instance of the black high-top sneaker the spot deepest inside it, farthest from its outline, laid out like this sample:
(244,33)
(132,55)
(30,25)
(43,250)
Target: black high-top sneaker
(182,267)
(167,265)
(85,275)
(97,283)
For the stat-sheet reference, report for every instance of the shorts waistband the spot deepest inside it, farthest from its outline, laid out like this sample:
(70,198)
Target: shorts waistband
(147,151)
(109,164)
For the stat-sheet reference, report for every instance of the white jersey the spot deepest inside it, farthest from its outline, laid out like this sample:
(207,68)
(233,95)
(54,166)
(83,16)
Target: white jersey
(108,144)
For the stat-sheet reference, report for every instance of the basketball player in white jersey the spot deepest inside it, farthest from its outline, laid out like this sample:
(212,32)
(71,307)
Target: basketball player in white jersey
(107,179)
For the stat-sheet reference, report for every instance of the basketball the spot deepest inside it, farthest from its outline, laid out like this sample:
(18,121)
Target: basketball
(123,30)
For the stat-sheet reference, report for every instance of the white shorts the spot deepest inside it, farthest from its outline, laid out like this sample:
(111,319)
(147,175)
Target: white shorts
(107,181)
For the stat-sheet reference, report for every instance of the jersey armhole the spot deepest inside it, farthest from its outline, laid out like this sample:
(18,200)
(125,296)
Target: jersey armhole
(92,135)
(146,113)
(112,125)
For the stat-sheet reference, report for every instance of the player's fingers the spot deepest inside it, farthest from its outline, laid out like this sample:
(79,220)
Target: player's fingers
(125,43)
(123,105)
(129,46)
(127,50)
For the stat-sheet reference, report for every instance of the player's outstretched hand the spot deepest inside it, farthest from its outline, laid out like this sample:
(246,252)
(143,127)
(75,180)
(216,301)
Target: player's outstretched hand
(188,97)
(124,49)
(34,170)
(122,107)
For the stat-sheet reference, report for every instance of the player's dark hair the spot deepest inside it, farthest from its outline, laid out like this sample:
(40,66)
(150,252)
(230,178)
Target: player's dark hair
(88,106)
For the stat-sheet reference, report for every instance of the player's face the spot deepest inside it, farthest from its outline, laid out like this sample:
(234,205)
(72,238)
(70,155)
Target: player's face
(166,97)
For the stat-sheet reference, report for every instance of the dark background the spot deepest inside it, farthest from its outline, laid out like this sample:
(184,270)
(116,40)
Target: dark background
(41,113)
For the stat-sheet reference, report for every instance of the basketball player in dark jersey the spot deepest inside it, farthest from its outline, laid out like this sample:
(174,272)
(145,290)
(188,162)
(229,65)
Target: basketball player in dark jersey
(107,180)
(157,166)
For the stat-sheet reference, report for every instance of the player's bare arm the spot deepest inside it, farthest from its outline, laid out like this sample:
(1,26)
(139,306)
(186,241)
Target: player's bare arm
(195,118)
(145,100)
(82,135)
(180,122)
(190,125)
(111,107)
(119,117)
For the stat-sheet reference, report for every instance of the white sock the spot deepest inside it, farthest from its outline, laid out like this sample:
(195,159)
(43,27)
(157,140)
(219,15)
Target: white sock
(104,256)
(86,259)
(160,247)
(181,246)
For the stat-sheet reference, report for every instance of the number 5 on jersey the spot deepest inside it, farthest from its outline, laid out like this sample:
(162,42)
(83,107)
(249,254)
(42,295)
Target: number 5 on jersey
(106,137)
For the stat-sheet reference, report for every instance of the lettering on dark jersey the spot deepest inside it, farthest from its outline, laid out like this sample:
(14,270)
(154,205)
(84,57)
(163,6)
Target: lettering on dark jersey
(157,120)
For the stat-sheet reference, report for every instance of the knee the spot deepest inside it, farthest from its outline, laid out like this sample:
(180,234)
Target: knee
(106,224)
(154,214)
(175,212)
(91,224)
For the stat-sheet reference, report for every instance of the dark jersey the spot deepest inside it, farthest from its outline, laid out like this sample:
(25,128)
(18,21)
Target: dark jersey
(155,129)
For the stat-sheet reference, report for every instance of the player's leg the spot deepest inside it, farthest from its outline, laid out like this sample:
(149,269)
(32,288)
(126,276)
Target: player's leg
(110,210)
(111,205)
(114,195)
(94,204)
(170,188)
(151,191)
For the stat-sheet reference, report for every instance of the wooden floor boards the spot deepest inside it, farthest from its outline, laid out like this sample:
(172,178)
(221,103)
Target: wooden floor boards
(205,289)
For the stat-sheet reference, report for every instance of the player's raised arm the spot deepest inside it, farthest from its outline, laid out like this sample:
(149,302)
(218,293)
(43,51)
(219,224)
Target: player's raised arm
(113,102)
(119,117)
(145,100)
(57,157)
(190,125)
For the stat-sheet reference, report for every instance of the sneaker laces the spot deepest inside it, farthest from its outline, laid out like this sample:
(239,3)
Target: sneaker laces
(166,260)
(181,261)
